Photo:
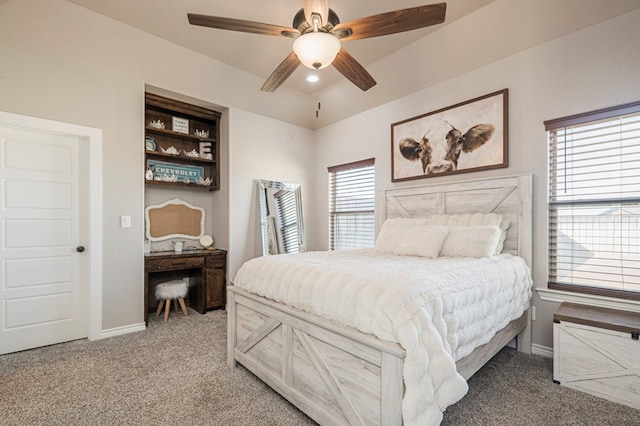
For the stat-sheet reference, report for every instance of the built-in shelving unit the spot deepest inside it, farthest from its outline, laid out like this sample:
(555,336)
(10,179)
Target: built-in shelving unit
(182,144)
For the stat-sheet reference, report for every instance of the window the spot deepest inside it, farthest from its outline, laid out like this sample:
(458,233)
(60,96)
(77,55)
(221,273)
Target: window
(594,202)
(351,205)
(288,219)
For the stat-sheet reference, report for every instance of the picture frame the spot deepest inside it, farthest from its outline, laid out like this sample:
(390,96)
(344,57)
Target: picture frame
(466,137)
(180,125)
(174,218)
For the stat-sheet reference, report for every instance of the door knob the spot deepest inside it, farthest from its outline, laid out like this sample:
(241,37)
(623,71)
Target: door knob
(80,249)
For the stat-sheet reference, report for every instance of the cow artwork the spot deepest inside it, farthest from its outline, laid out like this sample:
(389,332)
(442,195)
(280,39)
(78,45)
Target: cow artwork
(469,136)
(442,155)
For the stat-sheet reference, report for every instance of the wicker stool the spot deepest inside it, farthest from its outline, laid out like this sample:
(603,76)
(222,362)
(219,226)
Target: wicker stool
(174,290)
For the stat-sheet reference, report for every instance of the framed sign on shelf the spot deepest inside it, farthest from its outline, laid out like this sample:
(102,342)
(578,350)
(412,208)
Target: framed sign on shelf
(180,125)
(171,172)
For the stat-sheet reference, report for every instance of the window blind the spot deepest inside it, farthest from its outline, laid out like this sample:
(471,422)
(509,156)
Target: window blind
(264,227)
(352,205)
(288,218)
(594,202)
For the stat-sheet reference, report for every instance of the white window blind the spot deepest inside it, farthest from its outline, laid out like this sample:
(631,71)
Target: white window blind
(352,205)
(594,202)
(288,218)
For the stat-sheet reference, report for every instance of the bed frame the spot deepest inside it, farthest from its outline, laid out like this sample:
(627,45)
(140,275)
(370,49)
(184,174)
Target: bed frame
(338,375)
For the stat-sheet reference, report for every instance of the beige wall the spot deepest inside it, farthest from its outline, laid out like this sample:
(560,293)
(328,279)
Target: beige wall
(43,87)
(61,62)
(593,68)
(263,149)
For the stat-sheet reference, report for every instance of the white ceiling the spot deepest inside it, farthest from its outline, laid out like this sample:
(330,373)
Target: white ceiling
(261,54)
(474,34)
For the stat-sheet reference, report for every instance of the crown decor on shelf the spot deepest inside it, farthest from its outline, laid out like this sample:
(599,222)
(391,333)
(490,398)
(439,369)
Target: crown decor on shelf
(157,124)
(201,133)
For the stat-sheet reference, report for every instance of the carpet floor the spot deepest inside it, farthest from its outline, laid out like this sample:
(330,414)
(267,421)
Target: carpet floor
(175,373)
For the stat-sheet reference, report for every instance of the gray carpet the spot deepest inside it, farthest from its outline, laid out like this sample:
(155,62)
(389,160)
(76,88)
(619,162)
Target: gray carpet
(175,373)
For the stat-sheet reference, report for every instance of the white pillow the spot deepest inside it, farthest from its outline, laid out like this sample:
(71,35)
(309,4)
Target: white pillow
(471,241)
(469,219)
(423,241)
(392,230)
(504,226)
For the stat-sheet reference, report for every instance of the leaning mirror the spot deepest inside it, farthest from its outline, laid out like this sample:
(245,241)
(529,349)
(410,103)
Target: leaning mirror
(281,224)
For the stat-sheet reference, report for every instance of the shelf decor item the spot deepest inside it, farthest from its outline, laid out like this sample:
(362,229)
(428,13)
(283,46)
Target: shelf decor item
(150,143)
(171,172)
(156,124)
(205,150)
(180,125)
(171,150)
(201,133)
(193,153)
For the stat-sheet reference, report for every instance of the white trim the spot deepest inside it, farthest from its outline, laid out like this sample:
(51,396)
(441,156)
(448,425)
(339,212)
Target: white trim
(94,138)
(95,234)
(125,329)
(559,296)
(544,351)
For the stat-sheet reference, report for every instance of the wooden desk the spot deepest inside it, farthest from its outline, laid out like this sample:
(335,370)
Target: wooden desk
(206,270)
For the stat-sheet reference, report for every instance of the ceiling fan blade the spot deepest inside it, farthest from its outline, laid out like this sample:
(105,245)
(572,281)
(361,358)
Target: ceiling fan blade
(281,73)
(350,68)
(391,22)
(320,7)
(241,25)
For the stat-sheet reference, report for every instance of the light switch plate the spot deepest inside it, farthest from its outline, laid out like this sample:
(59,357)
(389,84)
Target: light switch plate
(125,221)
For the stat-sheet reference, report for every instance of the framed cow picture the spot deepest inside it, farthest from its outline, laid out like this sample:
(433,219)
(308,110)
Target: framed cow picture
(466,137)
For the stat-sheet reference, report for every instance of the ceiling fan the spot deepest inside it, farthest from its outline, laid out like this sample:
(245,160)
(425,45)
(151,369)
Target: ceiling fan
(318,33)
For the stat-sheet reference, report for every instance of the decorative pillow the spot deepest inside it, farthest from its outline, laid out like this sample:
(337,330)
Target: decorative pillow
(423,241)
(469,219)
(392,230)
(471,241)
(504,226)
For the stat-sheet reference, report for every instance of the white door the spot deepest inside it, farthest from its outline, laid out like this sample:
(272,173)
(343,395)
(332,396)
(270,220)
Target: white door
(41,299)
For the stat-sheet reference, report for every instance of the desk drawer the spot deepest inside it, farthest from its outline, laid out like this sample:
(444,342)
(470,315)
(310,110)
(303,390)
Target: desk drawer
(215,261)
(175,264)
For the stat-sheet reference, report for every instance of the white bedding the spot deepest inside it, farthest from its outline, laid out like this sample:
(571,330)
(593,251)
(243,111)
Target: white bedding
(438,310)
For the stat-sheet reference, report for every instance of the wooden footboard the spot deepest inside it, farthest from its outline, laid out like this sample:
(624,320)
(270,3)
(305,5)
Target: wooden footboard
(334,374)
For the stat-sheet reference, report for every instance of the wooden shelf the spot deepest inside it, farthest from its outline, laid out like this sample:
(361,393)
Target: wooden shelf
(179,158)
(194,118)
(167,132)
(211,187)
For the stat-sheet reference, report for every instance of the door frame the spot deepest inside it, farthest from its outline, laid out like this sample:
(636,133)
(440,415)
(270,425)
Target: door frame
(93,196)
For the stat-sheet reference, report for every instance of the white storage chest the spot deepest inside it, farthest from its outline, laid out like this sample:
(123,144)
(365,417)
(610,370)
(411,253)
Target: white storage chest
(596,350)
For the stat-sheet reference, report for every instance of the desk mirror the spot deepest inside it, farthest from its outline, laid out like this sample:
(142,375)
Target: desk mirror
(281,224)
(173,219)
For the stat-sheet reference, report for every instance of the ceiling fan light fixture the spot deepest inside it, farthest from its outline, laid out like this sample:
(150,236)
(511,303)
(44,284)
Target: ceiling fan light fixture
(316,50)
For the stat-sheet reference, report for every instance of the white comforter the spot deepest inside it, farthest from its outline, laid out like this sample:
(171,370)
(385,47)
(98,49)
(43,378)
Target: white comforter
(438,310)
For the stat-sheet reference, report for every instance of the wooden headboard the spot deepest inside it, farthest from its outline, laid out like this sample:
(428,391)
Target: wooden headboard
(507,196)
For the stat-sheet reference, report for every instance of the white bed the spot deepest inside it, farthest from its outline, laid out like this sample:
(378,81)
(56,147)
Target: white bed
(336,370)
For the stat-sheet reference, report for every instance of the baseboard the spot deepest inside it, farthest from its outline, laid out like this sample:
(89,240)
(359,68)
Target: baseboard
(542,350)
(126,329)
